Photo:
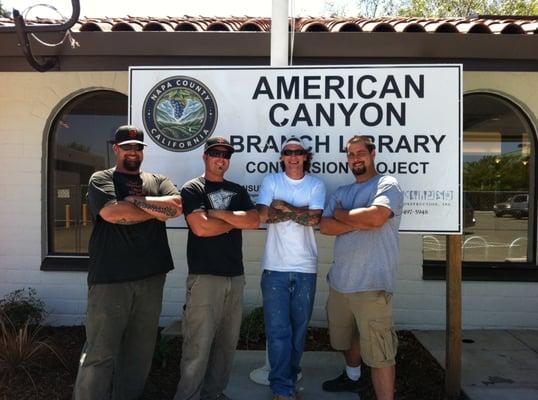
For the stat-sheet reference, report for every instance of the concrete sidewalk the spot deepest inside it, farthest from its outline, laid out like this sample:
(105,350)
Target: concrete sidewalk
(317,367)
(496,364)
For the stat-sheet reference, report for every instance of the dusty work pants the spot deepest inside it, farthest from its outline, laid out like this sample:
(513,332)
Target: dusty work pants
(211,325)
(121,329)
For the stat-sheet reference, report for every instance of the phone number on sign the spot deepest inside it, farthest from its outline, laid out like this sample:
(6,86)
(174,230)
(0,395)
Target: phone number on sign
(415,212)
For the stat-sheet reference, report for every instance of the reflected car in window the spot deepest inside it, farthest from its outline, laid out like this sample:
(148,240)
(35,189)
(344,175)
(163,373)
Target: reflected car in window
(516,206)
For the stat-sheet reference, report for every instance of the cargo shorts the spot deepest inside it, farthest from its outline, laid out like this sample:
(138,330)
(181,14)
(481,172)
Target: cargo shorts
(365,317)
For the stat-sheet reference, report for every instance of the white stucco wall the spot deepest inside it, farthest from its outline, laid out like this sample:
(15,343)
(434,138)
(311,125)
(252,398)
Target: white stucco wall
(27,101)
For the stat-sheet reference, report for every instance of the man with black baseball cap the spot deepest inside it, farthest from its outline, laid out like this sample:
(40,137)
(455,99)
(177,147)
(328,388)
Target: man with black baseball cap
(128,134)
(217,141)
(216,210)
(129,259)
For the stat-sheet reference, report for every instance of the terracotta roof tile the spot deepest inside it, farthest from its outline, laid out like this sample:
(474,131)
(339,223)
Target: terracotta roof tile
(489,25)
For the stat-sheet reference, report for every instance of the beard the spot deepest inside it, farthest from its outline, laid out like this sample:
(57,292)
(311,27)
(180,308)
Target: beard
(132,165)
(360,170)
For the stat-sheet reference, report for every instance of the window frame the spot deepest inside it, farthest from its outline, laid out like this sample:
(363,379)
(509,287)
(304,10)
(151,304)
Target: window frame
(501,271)
(76,262)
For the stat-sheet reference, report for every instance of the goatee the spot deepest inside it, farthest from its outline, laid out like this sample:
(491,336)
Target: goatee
(360,170)
(131,165)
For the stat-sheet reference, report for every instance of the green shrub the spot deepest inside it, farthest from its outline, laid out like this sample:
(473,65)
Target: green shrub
(22,307)
(253,327)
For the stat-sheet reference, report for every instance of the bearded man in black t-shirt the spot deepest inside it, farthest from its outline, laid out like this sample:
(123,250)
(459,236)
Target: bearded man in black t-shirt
(129,259)
(215,210)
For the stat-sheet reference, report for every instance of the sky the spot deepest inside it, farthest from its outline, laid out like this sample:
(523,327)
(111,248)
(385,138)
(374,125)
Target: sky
(162,8)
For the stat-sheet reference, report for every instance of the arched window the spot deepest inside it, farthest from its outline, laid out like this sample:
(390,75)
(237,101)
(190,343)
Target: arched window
(498,190)
(79,144)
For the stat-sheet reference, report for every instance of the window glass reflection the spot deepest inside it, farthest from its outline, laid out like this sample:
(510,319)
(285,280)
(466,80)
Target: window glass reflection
(497,155)
(78,146)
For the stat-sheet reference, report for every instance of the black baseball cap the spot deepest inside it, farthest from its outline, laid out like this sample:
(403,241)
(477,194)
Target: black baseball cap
(127,134)
(218,141)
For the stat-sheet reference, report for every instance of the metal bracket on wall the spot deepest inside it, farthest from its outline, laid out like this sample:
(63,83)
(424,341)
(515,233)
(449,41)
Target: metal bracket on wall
(22,30)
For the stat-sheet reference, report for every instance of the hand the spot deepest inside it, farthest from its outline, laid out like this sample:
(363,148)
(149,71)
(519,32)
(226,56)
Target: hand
(338,213)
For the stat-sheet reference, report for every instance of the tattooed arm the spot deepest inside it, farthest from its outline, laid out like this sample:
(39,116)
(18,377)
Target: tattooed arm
(271,215)
(162,208)
(134,210)
(123,213)
(280,211)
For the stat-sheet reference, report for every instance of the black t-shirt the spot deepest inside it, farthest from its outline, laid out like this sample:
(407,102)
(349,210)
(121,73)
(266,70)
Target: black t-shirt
(220,255)
(120,253)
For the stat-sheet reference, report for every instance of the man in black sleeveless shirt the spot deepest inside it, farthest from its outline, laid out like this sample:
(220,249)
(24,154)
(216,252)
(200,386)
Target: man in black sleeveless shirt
(215,210)
(129,259)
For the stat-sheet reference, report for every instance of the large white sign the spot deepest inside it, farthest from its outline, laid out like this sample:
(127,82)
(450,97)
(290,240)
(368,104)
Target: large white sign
(413,113)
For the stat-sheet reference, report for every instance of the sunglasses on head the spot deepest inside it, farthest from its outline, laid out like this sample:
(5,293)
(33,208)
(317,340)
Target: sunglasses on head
(300,152)
(131,147)
(220,154)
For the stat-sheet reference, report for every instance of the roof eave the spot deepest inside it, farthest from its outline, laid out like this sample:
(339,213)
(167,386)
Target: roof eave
(118,50)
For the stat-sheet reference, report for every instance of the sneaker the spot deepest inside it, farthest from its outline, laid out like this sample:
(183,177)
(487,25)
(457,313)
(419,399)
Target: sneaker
(341,384)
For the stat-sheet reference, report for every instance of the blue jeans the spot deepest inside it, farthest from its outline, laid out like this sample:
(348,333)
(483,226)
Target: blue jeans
(288,298)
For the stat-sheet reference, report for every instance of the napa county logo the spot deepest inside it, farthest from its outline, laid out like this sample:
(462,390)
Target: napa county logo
(180,113)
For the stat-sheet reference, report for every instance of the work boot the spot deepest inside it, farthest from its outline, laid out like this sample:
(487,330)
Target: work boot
(341,384)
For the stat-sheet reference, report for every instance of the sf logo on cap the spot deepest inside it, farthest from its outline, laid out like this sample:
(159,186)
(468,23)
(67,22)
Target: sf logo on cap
(133,133)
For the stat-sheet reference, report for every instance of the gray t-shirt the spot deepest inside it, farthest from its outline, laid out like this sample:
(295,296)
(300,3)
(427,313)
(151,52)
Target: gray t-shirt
(366,260)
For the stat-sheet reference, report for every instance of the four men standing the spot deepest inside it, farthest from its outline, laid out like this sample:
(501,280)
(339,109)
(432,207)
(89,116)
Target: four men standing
(129,258)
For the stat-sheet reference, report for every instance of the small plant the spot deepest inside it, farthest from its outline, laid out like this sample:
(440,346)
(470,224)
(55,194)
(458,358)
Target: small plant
(21,350)
(252,327)
(22,307)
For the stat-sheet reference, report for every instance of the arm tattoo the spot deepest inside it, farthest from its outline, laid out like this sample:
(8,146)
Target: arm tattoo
(301,217)
(277,216)
(305,218)
(168,211)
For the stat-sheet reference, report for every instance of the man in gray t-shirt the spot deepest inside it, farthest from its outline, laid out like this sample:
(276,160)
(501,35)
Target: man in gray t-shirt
(365,217)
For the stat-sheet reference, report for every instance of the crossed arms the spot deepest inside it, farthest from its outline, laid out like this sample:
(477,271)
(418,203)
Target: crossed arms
(206,223)
(136,209)
(280,211)
(344,221)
